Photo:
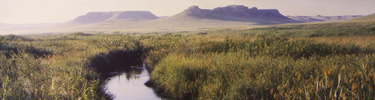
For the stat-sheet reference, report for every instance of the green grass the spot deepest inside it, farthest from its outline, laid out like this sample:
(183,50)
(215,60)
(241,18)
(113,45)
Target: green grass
(237,76)
(65,72)
(268,73)
(315,61)
(305,30)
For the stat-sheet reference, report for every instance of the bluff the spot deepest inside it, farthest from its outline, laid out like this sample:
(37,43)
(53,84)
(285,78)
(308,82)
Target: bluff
(96,17)
(238,13)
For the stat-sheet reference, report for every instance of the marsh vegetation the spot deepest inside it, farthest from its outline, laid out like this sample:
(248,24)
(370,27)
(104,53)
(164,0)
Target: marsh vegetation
(289,62)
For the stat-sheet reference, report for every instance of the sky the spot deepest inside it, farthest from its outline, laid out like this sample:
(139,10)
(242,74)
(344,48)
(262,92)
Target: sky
(58,11)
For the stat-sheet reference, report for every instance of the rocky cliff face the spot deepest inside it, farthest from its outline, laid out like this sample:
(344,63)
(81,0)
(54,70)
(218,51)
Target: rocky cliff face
(96,17)
(236,13)
(245,12)
(93,17)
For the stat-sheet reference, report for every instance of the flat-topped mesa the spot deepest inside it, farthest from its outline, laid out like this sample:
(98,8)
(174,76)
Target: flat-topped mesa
(243,11)
(233,8)
(95,17)
(234,13)
(136,15)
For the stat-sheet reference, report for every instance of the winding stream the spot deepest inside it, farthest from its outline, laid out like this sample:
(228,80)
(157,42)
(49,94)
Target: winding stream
(130,85)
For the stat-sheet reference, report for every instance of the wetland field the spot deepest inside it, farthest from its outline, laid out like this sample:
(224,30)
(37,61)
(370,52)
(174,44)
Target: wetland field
(305,61)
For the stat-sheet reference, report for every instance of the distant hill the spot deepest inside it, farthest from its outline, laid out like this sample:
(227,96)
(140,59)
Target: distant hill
(196,18)
(368,18)
(238,13)
(100,17)
(95,17)
(193,18)
(320,18)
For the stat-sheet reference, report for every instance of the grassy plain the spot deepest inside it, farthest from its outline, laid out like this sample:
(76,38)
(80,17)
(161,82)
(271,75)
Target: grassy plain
(312,61)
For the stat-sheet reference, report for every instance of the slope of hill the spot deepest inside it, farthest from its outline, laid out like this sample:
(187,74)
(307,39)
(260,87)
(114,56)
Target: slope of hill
(163,24)
(368,18)
(320,18)
(99,17)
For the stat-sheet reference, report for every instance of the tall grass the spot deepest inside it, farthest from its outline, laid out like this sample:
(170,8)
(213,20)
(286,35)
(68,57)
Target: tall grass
(267,68)
(235,76)
(304,30)
(57,66)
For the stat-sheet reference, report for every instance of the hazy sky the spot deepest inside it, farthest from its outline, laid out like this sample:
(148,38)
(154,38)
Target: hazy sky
(53,11)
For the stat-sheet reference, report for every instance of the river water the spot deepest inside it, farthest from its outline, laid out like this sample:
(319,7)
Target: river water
(130,85)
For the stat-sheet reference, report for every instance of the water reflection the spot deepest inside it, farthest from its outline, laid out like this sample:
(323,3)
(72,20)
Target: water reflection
(130,85)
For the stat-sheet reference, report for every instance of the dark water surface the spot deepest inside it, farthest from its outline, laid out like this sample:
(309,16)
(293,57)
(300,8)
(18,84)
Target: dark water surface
(130,85)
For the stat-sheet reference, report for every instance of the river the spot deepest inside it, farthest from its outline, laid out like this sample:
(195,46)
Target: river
(130,85)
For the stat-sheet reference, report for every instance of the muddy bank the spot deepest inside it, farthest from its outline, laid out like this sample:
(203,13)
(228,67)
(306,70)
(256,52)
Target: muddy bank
(105,64)
(116,61)
(123,66)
